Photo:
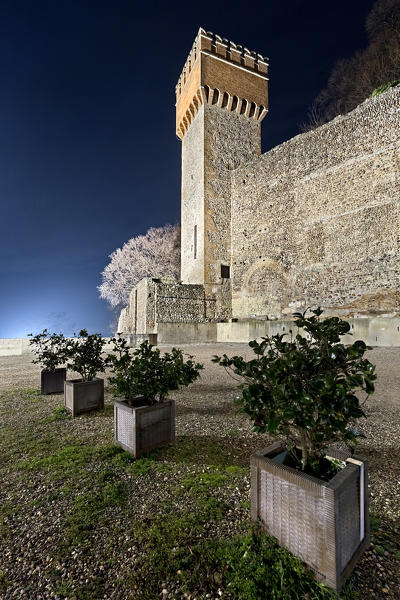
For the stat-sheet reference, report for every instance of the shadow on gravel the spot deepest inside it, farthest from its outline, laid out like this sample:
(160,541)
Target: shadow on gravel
(108,411)
(226,407)
(213,450)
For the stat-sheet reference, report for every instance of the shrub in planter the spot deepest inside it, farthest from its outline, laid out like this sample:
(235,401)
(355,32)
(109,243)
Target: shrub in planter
(50,351)
(144,418)
(307,390)
(85,357)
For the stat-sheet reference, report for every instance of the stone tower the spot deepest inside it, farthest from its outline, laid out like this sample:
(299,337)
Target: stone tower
(221,99)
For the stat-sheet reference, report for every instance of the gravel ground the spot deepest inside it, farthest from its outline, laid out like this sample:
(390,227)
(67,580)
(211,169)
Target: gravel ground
(209,430)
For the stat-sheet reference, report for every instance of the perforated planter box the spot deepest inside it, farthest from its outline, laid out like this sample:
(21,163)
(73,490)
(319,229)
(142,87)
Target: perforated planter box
(83,396)
(326,524)
(141,428)
(52,382)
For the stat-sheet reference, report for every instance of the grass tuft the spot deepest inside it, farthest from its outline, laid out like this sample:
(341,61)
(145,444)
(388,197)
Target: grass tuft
(60,413)
(385,87)
(3,581)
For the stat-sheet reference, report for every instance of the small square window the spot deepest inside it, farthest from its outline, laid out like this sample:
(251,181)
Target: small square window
(225,272)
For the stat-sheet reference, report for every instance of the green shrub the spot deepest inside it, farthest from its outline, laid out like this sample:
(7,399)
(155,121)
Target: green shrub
(50,350)
(147,373)
(85,354)
(305,389)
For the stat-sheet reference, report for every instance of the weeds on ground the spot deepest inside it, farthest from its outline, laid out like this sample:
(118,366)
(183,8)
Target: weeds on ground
(87,510)
(25,396)
(60,413)
(385,539)
(204,450)
(251,566)
(3,581)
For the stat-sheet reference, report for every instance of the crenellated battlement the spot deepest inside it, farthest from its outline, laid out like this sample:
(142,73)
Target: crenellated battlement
(209,42)
(218,71)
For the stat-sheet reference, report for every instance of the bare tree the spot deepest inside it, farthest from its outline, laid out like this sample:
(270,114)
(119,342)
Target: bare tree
(383,19)
(155,254)
(353,79)
(314,118)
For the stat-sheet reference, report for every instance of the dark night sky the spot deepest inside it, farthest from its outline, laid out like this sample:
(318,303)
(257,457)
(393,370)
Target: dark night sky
(88,153)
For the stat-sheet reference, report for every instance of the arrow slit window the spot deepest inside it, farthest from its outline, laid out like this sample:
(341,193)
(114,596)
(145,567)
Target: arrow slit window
(225,272)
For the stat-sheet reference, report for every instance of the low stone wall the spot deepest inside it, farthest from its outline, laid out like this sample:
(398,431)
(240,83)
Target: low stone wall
(19,346)
(135,339)
(379,331)
(186,333)
(14,346)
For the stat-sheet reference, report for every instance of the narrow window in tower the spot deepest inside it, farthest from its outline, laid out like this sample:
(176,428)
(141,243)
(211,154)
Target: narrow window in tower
(195,241)
(225,272)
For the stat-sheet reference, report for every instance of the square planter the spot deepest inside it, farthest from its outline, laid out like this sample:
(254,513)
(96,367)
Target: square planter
(52,382)
(83,396)
(326,524)
(141,428)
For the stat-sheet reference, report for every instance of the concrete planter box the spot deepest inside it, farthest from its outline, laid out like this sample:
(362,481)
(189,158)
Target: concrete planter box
(52,382)
(326,524)
(83,396)
(141,428)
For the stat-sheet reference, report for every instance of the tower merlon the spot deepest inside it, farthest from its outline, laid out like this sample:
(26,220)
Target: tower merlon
(218,71)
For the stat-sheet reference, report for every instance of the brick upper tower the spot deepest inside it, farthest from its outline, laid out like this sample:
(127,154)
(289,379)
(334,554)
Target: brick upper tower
(221,99)
(220,72)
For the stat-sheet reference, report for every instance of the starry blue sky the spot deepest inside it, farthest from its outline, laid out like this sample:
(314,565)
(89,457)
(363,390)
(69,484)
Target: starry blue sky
(88,153)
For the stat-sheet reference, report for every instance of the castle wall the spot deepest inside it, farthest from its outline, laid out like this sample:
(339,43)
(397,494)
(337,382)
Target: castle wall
(231,140)
(316,220)
(192,202)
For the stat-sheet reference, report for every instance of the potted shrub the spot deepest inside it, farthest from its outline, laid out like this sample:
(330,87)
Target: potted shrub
(50,351)
(306,391)
(85,356)
(144,419)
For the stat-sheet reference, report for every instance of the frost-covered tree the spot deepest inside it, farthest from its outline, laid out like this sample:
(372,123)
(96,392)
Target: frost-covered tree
(156,254)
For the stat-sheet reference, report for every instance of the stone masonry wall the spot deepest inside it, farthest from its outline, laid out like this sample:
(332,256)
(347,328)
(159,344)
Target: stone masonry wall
(178,303)
(230,140)
(192,201)
(316,220)
(216,142)
(145,308)
(123,321)
(155,301)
